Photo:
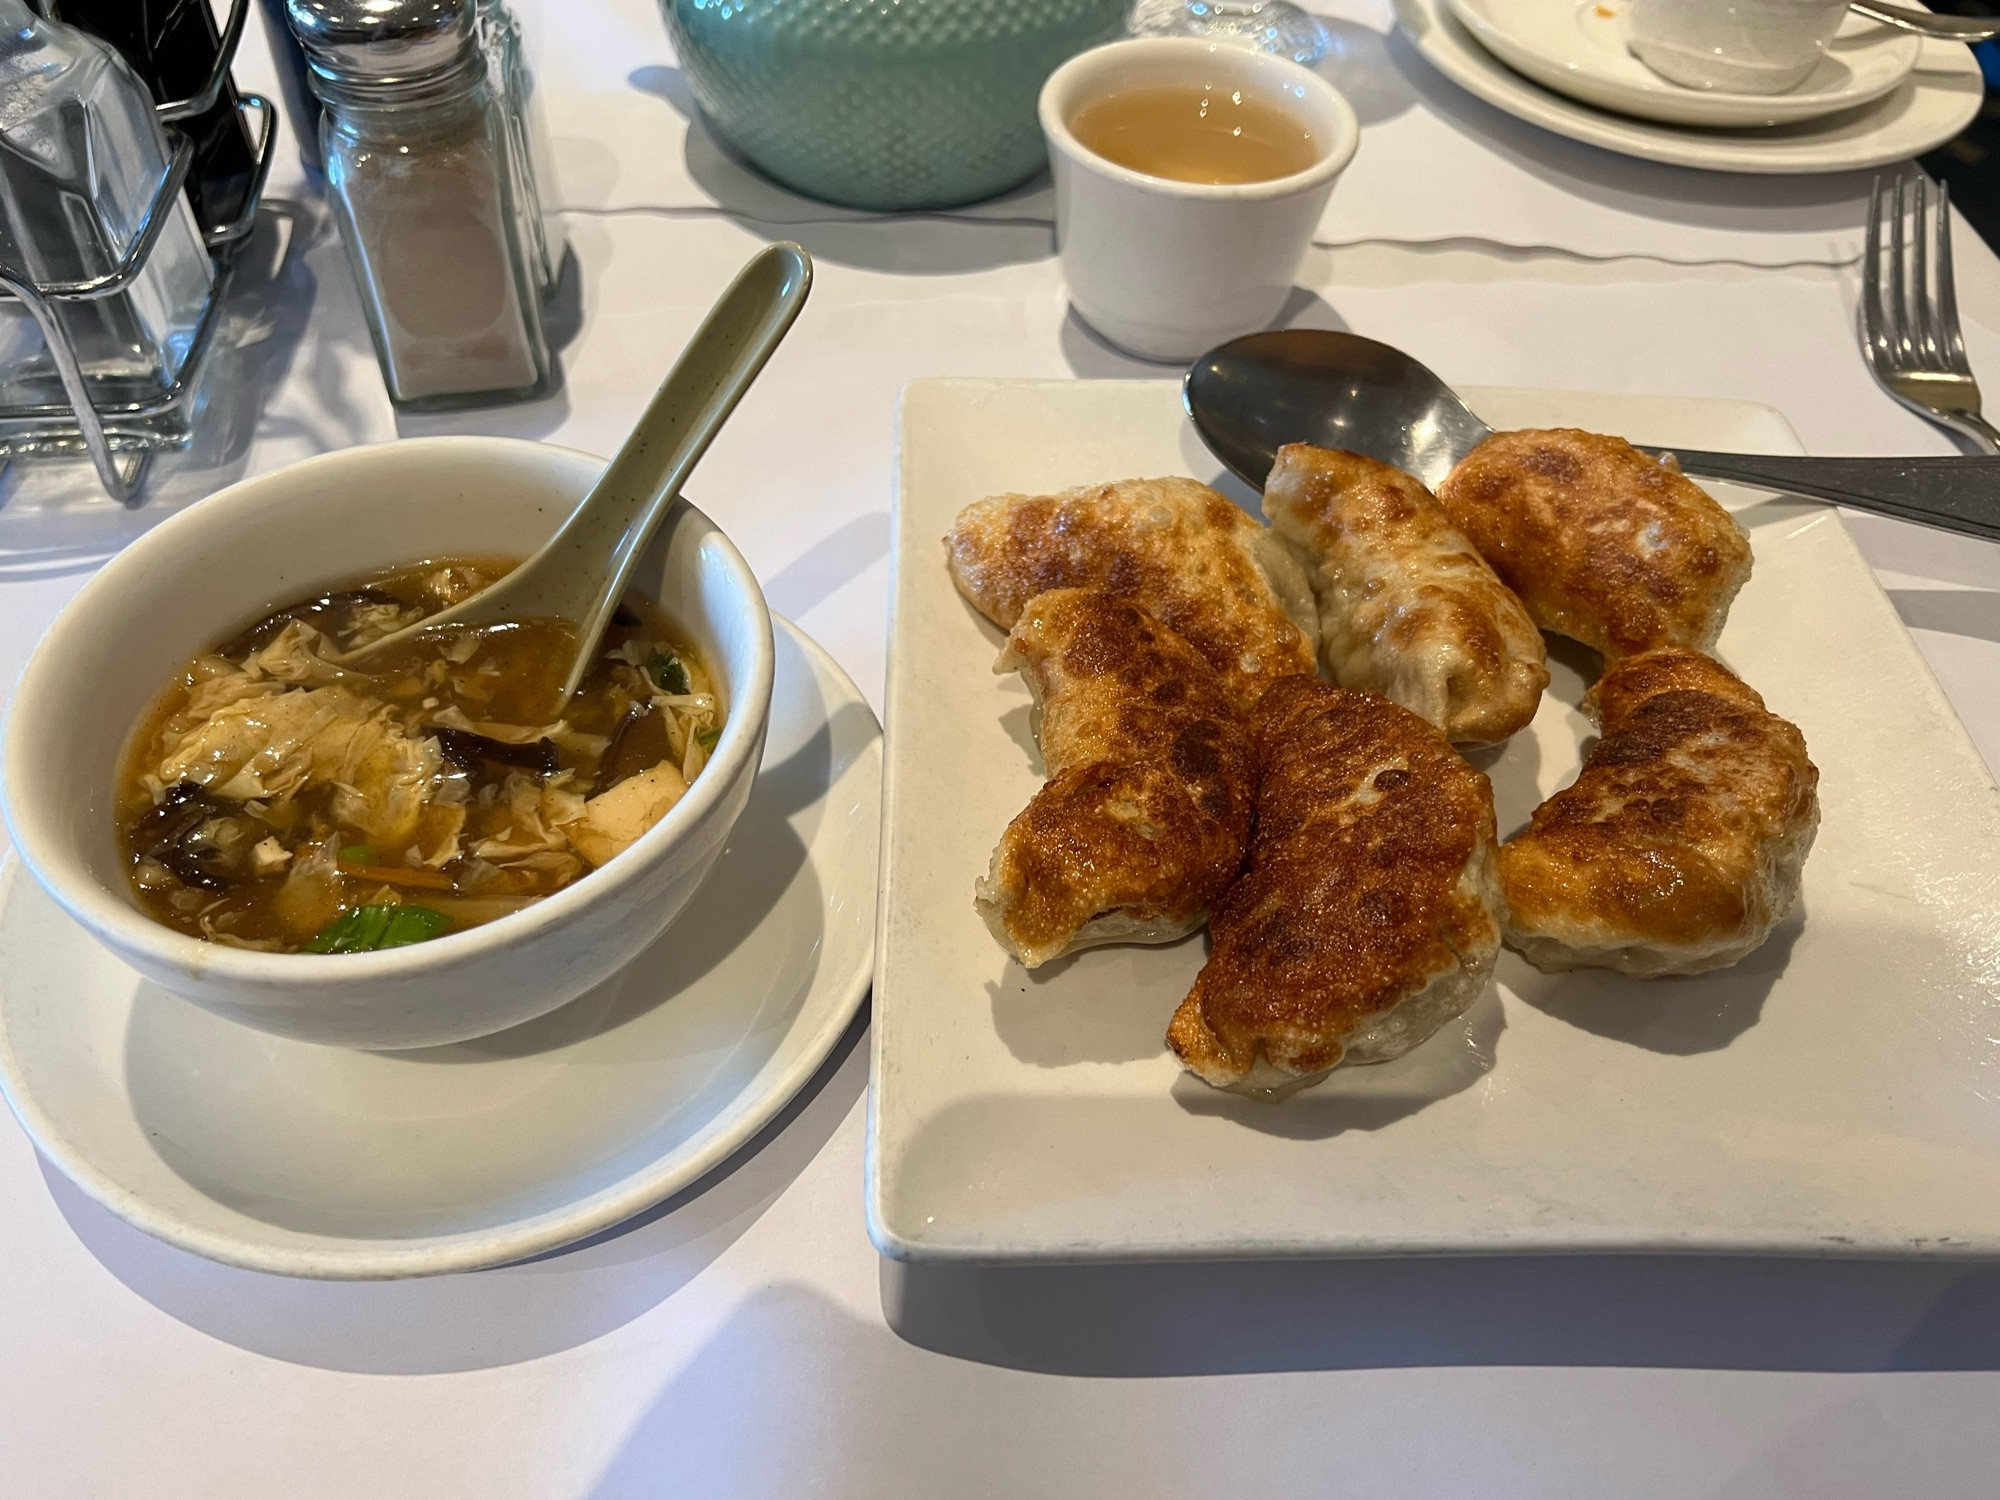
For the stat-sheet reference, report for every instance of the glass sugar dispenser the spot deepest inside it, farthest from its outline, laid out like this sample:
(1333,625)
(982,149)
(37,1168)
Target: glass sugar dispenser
(108,278)
(429,189)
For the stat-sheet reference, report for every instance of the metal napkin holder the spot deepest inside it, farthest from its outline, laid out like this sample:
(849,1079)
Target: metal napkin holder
(104,432)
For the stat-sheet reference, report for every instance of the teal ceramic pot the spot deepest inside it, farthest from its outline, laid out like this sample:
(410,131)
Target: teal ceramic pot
(884,104)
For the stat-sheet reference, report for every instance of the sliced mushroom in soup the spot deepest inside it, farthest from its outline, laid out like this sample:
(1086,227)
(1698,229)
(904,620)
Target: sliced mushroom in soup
(275,797)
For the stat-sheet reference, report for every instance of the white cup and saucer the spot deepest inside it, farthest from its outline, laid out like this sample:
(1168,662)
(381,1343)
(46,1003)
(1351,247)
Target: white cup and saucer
(1737,46)
(1711,64)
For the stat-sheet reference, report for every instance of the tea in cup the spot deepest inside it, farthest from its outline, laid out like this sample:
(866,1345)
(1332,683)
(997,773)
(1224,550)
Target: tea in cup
(1192,132)
(1189,178)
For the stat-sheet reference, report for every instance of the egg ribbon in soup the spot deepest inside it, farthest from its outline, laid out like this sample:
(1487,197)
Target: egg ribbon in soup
(274,798)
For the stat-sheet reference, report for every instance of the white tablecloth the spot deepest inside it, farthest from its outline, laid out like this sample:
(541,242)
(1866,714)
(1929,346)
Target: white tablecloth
(748,1341)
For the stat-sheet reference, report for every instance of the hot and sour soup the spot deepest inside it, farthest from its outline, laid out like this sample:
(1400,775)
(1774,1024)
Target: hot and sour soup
(276,798)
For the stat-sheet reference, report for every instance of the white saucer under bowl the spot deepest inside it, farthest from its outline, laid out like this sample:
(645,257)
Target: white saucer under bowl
(1578,47)
(304,1160)
(1935,102)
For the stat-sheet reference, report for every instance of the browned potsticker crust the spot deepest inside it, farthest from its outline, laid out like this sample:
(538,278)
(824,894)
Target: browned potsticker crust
(1407,607)
(1369,885)
(1186,554)
(1603,543)
(1146,812)
(1679,846)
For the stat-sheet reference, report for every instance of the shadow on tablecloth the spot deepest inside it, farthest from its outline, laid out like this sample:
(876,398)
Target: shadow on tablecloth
(1651,1312)
(1016,227)
(484,1319)
(796,1383)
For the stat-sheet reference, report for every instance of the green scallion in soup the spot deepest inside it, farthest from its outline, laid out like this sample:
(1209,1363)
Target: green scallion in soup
(274,798)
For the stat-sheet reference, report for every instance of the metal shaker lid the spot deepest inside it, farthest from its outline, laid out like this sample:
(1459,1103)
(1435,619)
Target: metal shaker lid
(382,41)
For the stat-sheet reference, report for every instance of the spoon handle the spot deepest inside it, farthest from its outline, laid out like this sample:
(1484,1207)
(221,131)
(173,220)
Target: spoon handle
(1957,494)
(1940,28)
(623,509)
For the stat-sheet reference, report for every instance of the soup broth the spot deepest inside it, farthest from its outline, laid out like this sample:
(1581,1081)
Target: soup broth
(274,798)
(1196,133)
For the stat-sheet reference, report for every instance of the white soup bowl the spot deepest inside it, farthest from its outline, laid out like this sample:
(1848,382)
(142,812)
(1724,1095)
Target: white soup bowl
(291,534)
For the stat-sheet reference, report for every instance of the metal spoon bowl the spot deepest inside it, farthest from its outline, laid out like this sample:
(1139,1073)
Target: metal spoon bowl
(580,573)
(1252,395)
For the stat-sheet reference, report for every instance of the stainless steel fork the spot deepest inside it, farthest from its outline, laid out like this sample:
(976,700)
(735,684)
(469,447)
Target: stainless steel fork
(1910,335)
(1909,308)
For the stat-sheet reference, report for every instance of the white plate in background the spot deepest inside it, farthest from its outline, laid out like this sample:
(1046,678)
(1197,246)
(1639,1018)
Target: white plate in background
(1937,101)
(303,1160)
(1834,1094)
(1578,47)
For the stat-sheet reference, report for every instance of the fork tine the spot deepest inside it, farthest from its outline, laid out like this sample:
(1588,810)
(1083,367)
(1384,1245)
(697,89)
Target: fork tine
(1900,347)
(1947,291)
(1874,322)
(1923,311)
(1891,271)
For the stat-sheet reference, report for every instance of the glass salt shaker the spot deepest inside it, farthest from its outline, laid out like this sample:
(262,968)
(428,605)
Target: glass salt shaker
(82,159)
(420,173)
(513,84)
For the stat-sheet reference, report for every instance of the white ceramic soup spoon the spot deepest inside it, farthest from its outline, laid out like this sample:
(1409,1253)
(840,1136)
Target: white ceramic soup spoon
(580,573)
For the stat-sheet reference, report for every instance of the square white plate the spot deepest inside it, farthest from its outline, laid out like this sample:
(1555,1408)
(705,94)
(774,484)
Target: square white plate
(1836,1093)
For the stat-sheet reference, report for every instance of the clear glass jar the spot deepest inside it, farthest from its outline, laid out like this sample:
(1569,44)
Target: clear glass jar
(82,157)
(513,85)
(419,171)
(174,50)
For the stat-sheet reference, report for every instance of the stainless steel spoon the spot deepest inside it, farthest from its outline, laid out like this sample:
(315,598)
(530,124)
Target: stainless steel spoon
(1338,390)
(1967,29)
(580,573)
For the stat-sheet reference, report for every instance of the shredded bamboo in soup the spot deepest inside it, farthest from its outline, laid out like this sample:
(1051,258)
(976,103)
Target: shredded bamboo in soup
(275,798)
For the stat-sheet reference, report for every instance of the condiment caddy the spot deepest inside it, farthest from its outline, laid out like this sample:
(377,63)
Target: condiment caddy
(184,59)
(111,285)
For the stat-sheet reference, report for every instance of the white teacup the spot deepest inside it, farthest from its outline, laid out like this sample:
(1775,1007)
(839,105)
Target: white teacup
(1169,269)
(1741,46)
